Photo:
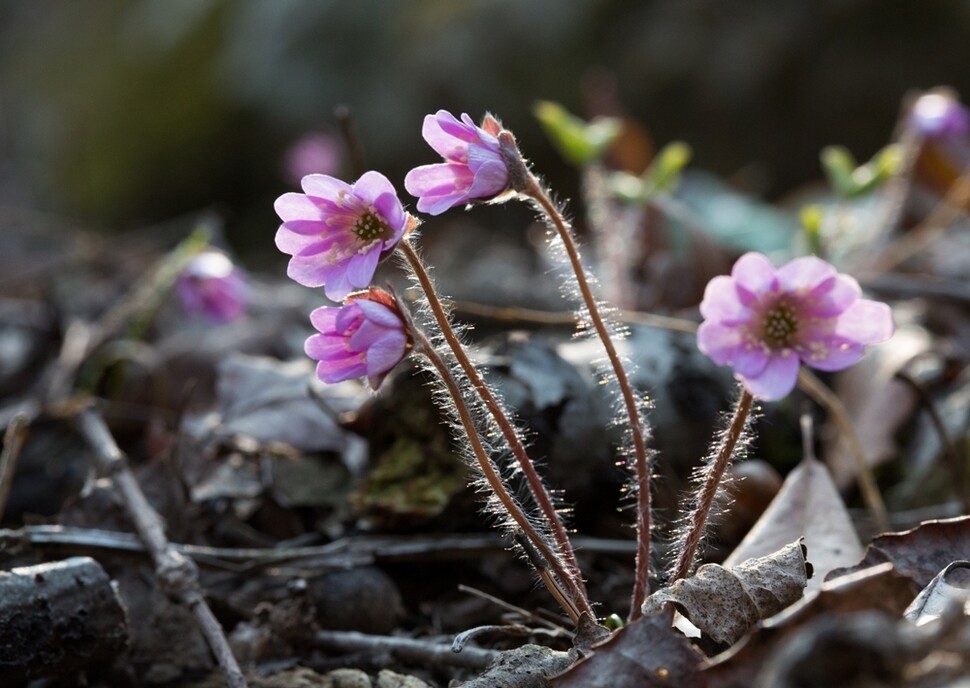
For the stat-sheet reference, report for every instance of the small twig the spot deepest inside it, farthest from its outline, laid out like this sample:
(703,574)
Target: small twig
(13,442)
(461,640)
(827,399)
(952,459)
(524,613)
(177,575)
(427,652)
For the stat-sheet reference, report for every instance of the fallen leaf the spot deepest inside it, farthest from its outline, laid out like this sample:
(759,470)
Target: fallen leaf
(647,653)
(922,552)
(725,603)
(950,588)
(807,506)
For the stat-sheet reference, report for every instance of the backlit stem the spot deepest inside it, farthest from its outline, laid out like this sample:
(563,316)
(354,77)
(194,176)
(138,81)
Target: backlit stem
(569,572)
(708,490)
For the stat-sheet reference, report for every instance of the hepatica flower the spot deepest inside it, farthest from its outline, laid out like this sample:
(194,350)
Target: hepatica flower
(337,232)
(940,115)
(365,337)
(765,322)
(211,286)
(473,170)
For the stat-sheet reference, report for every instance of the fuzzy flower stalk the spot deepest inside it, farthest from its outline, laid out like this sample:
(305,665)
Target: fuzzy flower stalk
(484,164)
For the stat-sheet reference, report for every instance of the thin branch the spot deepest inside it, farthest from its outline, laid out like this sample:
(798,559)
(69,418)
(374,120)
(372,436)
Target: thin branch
(13,442)
(177,575)
(426,652)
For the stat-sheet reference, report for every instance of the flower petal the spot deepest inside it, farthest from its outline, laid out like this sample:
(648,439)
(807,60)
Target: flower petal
(776,380)
(718,342)
(754,276)
(390,208)
(324,319)
(296,206)
(306,270)
(832,353)
(803,275)
(372,185)
(361,268)
(444,144)
(380,314)
(829,300)
(386,353)
(721,303)
(295,243)
(490,180)
(866,322)
(324,186)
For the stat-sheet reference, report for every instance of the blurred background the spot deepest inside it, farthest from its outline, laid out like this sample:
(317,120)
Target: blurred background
(120,114)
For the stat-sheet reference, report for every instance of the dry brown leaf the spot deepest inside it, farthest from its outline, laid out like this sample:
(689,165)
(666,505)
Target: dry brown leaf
(647,653)
(807,506)
(949,589)
(725,603)
(922,552)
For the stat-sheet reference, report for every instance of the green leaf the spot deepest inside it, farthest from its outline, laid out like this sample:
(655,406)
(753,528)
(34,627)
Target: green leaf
(578,141)
(851,181)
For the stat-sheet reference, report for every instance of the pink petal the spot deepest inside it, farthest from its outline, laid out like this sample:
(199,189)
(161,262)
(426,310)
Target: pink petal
(776,380)
(295,206)
(464,130)
(804,274)
(386,353)
(867,322)
(750,359)
(306,271)
(491,179)
(390,208)
(832,353)
(337,285)
(372,185)
(294,243)
(324,186)
(437,179)
(326,347)
(324,319)
(361,268)
(721,303)
(380,314)
(338,371)
(444,144)
(717,342)
(754,275)
(832,299)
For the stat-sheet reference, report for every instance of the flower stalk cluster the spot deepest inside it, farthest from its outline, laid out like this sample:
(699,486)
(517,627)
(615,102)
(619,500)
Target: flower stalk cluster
(761,321)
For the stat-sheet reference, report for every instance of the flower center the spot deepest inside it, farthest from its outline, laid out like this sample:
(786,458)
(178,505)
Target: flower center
(780,326)
(370,227)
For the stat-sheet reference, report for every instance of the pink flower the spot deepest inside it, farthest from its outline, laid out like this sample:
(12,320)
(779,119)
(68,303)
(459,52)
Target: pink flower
(940,115)
(367,336)
(315,152)
(764,322)
(337,233)
(211,286)
(474,169)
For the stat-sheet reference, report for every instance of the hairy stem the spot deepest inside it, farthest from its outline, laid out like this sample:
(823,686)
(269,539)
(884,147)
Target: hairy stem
(708,489)
(491,474)
(528,185)
(571,575)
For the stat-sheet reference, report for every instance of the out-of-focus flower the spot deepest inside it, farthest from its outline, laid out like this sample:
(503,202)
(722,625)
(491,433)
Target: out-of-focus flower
(367,336)
(211,286)
(337,233)
(313,153)
(474,169)
(764,322)
(940,115)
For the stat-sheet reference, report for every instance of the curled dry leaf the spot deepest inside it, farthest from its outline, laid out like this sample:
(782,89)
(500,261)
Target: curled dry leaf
(922,552)
(648,653)
(808,506)
(949,590)
(725,603)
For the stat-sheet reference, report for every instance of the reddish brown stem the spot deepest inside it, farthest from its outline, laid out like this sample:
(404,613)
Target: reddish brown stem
(572,577)
(712,481)
(491,474)
(641,587)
